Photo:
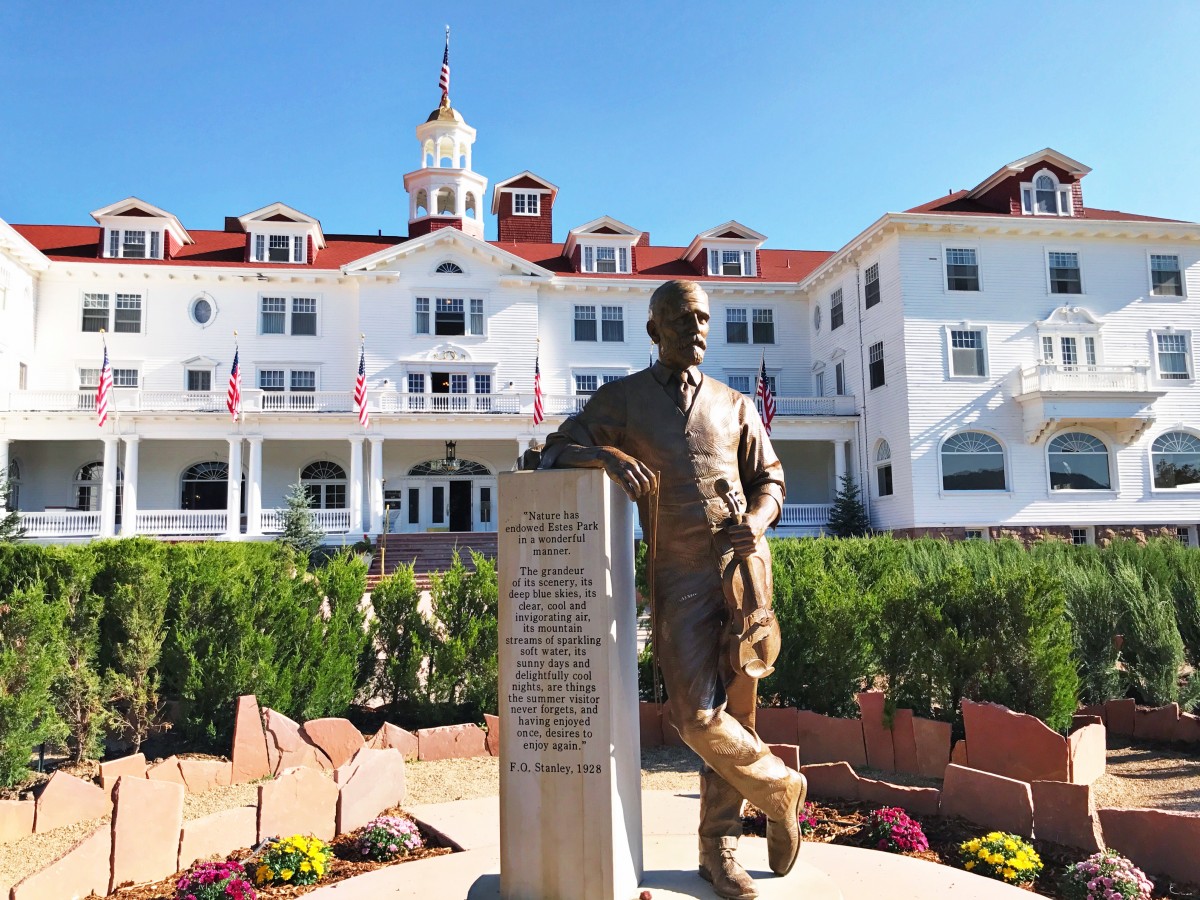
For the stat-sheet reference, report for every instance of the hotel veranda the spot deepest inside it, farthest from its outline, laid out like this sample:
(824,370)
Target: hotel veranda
(1002,360)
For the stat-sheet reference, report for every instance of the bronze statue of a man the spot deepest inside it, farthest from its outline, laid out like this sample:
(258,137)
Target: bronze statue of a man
(708,447)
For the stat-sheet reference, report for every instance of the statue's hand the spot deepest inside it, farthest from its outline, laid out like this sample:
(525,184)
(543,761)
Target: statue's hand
(744,536)
(631,474)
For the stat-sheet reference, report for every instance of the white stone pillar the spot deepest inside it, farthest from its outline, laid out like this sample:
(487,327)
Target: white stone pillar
(5,462)
(233,525)
(108,489)
(376,525)
(254,487)
(839,464)
(356,484)
(129,502)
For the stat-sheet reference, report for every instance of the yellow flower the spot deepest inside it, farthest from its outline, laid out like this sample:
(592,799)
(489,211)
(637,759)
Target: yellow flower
(983,854)
(286,874)
(1009,874)
(261,874)
(319,868)
(969,865)
(305,866)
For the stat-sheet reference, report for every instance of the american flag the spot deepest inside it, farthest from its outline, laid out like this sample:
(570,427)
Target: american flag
(360,389)
(233,400)
(104,389)
(444,78)
(765,396)
(539,406)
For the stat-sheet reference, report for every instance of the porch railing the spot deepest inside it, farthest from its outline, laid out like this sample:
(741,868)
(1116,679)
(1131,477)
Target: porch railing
(182,521)
(61,523)
(331,521)
(1087,379)
(805,515)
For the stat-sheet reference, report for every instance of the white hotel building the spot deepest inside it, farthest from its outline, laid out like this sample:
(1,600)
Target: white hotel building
(1002,360)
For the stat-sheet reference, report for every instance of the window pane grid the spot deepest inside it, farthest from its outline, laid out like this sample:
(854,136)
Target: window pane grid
(763,326)
(836,310)
(612,323)
(585,323)
(476,316)
(962,269)
(274,315)
(125,378)
(422,315)
(95,312)
(1165,275)
(1064,273)
(871,290)
(128,315)
(1173,356)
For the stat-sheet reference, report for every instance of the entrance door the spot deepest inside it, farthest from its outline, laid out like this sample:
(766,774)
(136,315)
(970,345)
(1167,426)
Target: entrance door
(438,504)
(460,506)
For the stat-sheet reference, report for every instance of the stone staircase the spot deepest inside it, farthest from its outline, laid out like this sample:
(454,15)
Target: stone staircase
(429,552)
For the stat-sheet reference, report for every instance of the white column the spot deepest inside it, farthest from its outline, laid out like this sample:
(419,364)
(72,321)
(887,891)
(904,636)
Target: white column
(5,462)
(376,484)
(839,464)
(254,488)
(108,489)
(356,484)
(129,504)
(233,525)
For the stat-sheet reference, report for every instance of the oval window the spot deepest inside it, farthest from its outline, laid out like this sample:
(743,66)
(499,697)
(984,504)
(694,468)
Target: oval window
(203,310)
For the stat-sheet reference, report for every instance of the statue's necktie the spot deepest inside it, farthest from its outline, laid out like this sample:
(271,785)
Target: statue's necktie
(683,393)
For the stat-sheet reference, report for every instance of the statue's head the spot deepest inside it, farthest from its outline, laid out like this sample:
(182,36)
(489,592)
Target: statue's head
(679,323)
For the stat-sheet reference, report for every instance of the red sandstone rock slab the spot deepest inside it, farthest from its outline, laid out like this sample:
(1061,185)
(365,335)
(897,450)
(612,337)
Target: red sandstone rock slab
(218,834)
(1187,729)
(1155,723)
(832,780)
(1079,721)
(1118,716)
(249,753)
(127,765)
(82,870)
(16,819)
(201,775)
(167,770)
(904,742)
(451,742)
(367,785)
(877,737)
(1096,709)
(147,816)
(299,801)
(1158,841)
(827,739)
(287,747)
(958,755)
(1014,745)
(789,753)
(989,800)
(336,738)
(919,801)
(777,724)
(1066,814)
(67,800)
(650,722)
(492,738)
(933,746)
(393,737)
(1088,752)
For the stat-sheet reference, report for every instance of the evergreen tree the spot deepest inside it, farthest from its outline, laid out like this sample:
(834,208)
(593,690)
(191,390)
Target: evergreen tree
(848,517)
(299,532)
(11,528)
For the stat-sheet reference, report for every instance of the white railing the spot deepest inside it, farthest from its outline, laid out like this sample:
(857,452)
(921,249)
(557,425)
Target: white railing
(188,401)
(331,521)
(181,521)
(508,404)
(305,401)
(52,401)
(815,406)
(1101,379)
(805,514)
(60,523)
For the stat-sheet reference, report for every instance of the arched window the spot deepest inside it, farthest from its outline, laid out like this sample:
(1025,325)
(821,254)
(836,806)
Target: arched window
(445,153)
(1078,462)
(422,203)
(449,268)
(883,468)
(205,486)
(13,478)
(445,202)
(325,484)
(1175,457)
(972,461)
(471,211)
(427,155)
(439,467)
(89,481)
(1045,196)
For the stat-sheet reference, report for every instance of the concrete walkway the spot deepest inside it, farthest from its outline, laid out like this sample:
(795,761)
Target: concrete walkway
(825,871)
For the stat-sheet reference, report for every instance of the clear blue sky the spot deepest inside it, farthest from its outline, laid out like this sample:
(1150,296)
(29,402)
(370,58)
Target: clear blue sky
(803,120)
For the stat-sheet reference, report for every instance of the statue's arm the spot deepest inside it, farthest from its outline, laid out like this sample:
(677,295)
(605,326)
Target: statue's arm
(631,474)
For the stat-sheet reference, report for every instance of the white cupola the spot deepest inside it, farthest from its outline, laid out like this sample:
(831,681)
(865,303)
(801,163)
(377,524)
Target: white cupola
(444,191)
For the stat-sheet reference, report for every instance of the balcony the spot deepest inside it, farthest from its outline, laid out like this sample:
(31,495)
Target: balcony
(380,403)
(1116,399)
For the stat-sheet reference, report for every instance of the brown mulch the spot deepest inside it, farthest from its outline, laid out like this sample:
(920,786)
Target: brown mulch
(346,863)
(842,821)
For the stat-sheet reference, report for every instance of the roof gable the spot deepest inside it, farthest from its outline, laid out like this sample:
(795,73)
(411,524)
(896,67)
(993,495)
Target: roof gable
(526,179)
(439,240)
(281,212)
(1046,156)
(732,230)
(137,208)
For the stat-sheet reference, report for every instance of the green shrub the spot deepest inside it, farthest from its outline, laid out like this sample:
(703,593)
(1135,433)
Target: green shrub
(31,658)
(462,659)
(344,659)
(401,636)
(1095,615)
(1153,649)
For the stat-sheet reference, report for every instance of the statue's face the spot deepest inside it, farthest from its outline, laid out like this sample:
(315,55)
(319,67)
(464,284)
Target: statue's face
(680,328)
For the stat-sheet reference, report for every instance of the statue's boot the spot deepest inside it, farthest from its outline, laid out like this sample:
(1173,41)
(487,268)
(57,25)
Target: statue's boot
(718,866)
(783,833)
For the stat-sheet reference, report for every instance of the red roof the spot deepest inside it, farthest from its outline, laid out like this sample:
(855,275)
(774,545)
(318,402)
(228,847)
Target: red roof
(75,243)
(957,204)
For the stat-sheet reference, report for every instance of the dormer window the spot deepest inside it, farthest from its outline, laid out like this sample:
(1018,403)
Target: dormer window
(134,244)
(525,204)
(727,251)
(1045,196)
(605,259)
(731,262)
(135,229)
(603,246)
(280,248)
